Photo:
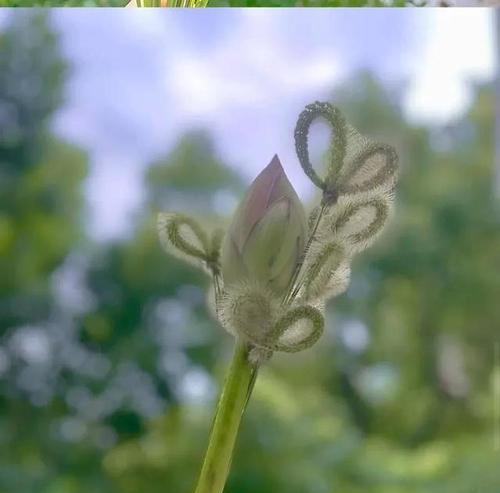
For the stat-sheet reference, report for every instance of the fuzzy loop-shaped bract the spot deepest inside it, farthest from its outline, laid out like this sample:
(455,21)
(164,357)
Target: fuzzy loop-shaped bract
(338,282)
(254,314)
(356,165)
(248,309)
(337,149)
(216,240)
(298,329)
(373,168)
(356,224)
(183,237)
(258,355)
(321,267)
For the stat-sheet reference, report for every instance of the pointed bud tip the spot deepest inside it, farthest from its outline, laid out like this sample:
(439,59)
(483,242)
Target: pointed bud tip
(274,167)
(275,161)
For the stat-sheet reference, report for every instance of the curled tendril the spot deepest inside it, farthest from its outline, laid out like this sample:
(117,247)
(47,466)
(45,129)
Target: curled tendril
(338,146)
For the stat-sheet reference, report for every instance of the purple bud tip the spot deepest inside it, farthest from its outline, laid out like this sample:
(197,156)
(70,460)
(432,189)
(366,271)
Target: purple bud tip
(264,191)
(268,180)
(270,175)
(275,163)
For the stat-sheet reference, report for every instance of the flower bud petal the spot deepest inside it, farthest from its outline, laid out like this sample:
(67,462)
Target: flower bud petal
(266,237)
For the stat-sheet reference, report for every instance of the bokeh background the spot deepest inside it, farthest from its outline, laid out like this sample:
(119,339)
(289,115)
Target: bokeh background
(109,362)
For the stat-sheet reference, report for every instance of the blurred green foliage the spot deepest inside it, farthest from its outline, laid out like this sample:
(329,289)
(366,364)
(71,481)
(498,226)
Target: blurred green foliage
(100,390)
(40,195)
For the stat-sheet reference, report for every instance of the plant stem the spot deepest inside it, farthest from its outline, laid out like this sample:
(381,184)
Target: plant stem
(232,402)
(294,288)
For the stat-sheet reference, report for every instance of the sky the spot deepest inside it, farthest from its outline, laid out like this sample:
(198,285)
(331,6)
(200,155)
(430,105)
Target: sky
(139,79)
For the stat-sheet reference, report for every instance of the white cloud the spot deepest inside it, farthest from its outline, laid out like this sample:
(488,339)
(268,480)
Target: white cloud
(254,67)
(144,78)
(458,49)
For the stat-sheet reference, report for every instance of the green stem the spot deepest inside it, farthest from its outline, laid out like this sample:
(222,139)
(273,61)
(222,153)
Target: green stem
(237,388)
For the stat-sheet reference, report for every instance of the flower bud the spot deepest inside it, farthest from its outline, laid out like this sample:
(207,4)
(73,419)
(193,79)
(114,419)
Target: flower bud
(266,238)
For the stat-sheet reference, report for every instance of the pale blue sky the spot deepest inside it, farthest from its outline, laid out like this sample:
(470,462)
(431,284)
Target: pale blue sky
(141,78)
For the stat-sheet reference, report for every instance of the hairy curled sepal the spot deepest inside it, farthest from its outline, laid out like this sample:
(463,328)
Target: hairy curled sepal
(248,310)
(372,169)
(216,240)
(356,165)
(298,329)
(183,237)
(257,356)
(212,303)
(357,224)
(338,282)
(214,308)
(312,218)
(337,149)
(324,263)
